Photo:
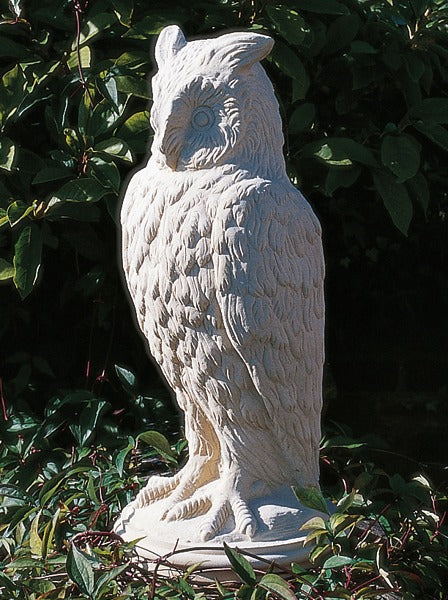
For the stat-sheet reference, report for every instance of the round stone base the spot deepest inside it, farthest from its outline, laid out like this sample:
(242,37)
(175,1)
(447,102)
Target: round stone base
(278,537)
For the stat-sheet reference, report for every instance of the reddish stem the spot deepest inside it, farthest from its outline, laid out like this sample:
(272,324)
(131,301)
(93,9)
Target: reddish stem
(374,522)
(78,11)
(5,416)
(438,526)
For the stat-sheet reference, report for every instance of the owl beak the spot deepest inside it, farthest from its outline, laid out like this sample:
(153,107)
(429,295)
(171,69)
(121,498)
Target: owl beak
(171,159)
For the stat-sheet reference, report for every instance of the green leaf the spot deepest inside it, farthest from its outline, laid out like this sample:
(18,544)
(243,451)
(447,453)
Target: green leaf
(278,586)
(401,154)
(108,87)
(35,540)
(334,562)
(9,48)
(7,153)
(50,488)
(326,7)
(13,491)
(436,133)
(339,177)
(7,583)
(83,189)
(115,147)
(127,379)
(124,10)
(12,88)
(84,430)
(103,118)
(103,582)
(240,565)
(302,117)
(27,259)
(359,47)
(121,456)
(6,270)
(341,32)
(342,151)
(431,109)
(133,60)
(135,124)
(396,200)
(84,59)
(80,571)
(18,211)
(340,522)
(414,66)
(330,155)
(419,189)
(79,211)
(95,26)
(287,61)
(156,440)
(136,86)
(52,174)
(106,172)
(3,217)
(49,533)
(155,20)
(314,523)
(346,502)
(288,23)
(311,497)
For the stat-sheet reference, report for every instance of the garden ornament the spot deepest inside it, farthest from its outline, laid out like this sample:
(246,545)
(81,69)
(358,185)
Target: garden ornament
(223,261)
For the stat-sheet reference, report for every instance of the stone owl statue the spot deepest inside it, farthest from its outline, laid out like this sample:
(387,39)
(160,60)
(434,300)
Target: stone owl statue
(224,264)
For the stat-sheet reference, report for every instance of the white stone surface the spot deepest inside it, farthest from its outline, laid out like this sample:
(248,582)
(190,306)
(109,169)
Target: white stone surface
(278,537)
(224,264)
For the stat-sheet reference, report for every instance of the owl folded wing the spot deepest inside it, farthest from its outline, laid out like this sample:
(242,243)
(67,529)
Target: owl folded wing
(269,273)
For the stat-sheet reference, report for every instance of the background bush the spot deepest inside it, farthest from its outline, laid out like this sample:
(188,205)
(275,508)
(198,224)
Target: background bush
(363,94)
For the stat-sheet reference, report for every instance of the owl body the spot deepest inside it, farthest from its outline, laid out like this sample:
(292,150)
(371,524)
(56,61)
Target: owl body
(223,261)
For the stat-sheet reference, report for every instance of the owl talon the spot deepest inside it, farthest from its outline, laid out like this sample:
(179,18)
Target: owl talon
(245,521)
(219,513)
(193,507)
(156,489)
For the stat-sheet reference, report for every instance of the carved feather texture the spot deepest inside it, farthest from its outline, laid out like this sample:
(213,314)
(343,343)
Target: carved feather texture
(224,264)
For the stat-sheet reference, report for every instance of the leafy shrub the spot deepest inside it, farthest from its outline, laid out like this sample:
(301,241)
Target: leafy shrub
(386,539)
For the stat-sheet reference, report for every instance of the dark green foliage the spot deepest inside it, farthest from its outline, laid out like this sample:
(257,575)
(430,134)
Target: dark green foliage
(363,92)
(386,534)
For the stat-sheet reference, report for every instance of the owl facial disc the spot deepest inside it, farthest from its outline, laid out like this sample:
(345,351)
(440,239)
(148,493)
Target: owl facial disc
(203,118)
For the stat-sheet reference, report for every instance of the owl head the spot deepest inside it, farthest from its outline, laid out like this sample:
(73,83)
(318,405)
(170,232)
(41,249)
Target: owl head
(212,101)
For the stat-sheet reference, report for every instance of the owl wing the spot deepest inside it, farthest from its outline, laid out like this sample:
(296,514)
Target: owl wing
(131,220)
(269,271)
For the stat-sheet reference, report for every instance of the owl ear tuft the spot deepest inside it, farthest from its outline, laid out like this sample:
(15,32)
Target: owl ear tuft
(241,50)
(170,41)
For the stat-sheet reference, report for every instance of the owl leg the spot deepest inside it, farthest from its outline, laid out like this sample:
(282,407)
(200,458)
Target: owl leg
(201,467)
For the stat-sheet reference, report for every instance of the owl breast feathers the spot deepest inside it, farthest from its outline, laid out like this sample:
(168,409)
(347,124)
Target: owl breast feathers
(224,264)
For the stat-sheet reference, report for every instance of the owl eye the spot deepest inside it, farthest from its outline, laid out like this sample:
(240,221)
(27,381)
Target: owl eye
(203,118)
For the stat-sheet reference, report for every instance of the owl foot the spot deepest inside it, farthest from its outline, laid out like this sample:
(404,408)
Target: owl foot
(197,472)
(194,475)
(199,504)
(217,504)
(223,507)
(156,489)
